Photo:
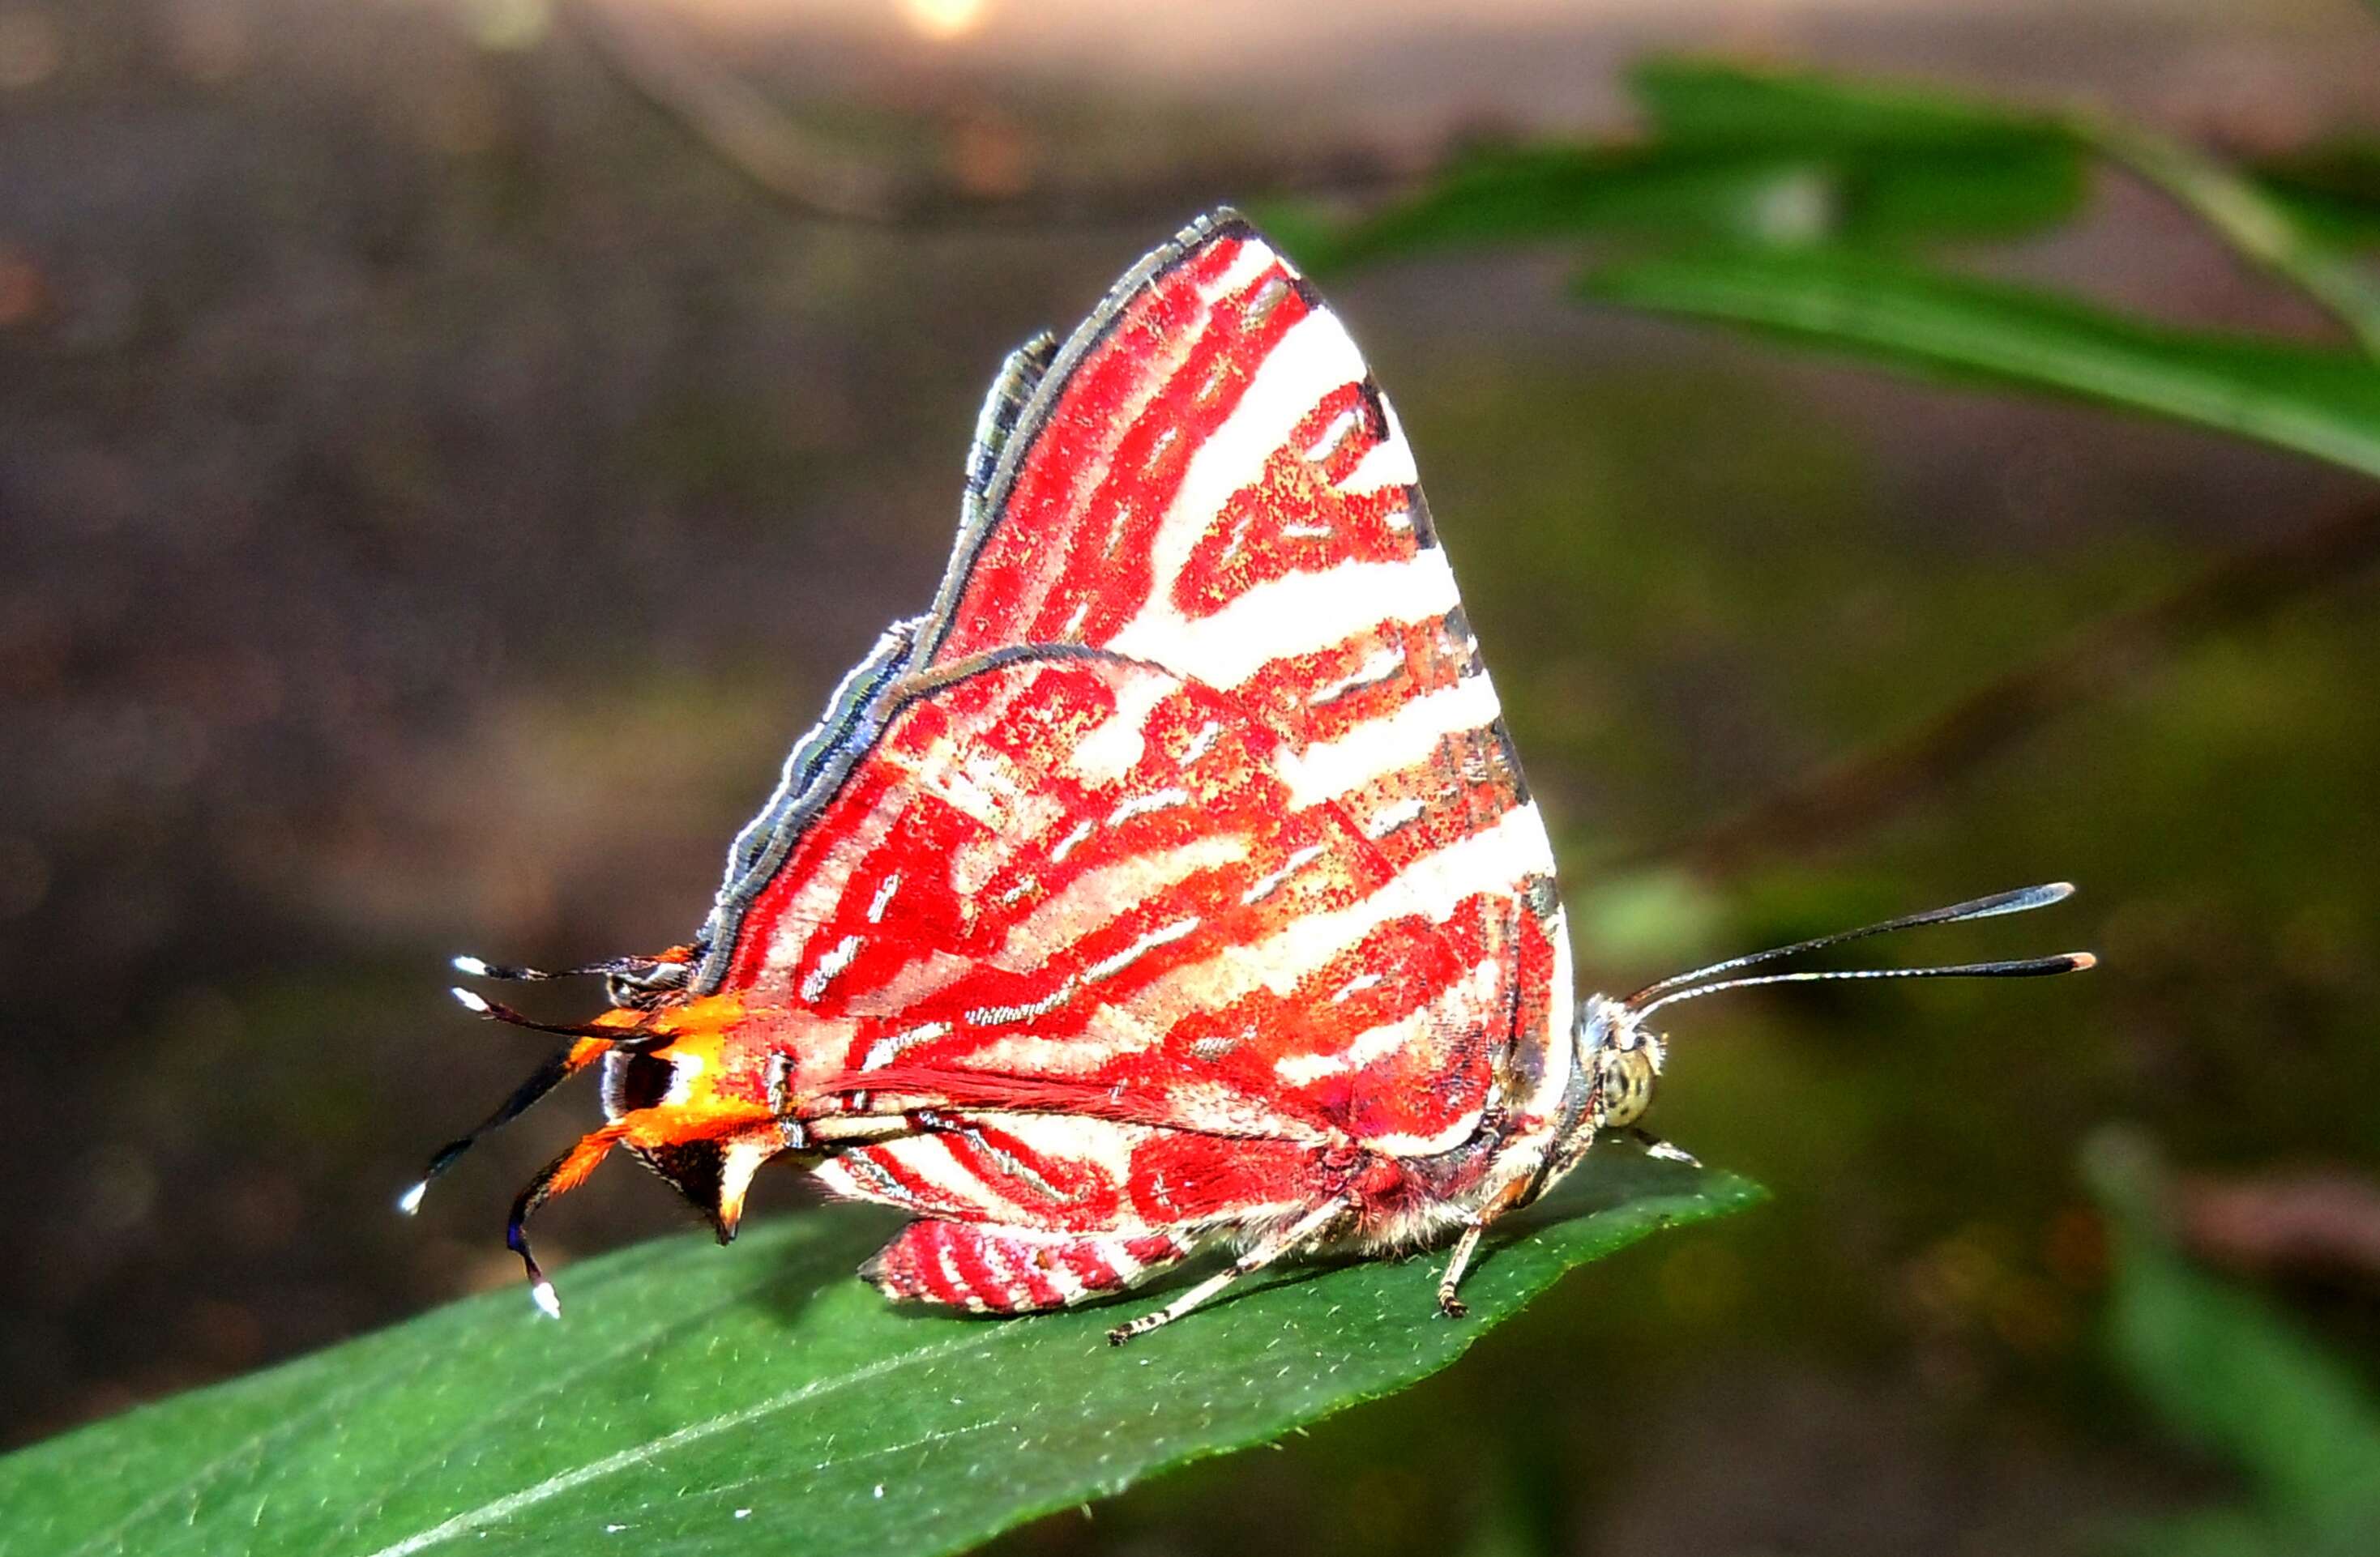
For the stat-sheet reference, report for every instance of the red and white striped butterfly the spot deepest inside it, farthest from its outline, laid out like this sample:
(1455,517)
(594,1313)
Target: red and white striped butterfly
(1171,884)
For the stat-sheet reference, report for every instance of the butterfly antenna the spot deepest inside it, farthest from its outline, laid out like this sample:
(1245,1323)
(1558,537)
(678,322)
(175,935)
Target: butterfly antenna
(2021,900)
(557,1068)
(2025,968)
(479,968)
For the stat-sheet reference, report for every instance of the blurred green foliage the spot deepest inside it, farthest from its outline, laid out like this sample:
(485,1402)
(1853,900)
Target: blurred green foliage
(1783,201)
(2320,403)
(2225,1371)
(1735,156)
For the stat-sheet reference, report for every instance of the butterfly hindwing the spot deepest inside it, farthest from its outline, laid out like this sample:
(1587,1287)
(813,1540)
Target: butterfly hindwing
(1063,868)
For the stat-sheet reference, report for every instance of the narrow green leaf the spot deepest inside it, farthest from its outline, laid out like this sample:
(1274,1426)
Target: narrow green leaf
(2321,403)
(1704,100)
(1691,102)
(1534,193)
(1773,191)
(2331,185)
(1746,156)
(2262,230)
(760,1398)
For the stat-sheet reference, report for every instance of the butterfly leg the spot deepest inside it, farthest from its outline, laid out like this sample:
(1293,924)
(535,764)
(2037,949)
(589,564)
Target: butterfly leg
(1306,1233)
(1467,1246)
(1456,1264)
(1656,1147)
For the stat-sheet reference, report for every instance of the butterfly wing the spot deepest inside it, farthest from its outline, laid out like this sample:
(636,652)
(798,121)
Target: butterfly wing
(1193,777)
(1203,475)
(1062,878)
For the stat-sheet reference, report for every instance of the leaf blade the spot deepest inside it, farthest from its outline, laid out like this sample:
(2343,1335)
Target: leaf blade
(1739,155)
(687,1384)
(2321,403)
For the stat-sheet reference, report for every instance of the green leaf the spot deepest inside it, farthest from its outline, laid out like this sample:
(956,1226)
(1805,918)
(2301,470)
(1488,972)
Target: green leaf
(2227,1371)
(1692,102)
(760,1398)
(1707,100)
(2321,403)
(2331,185)
(1745,156)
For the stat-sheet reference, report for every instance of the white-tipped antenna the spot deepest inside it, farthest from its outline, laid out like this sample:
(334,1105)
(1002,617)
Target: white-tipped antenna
(2018,902)
(540,1292)
(481,968)
(410,1202)
(2026,968)
(480,1005)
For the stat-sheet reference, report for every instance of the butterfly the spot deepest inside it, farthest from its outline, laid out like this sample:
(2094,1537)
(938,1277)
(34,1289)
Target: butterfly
(1170,885)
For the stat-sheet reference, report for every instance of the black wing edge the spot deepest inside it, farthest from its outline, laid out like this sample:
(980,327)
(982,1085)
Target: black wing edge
(1019,376)
(815,770)
(1013,417)
(1018,431)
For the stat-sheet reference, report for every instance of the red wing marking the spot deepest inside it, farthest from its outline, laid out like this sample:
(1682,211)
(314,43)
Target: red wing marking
(1009,1269)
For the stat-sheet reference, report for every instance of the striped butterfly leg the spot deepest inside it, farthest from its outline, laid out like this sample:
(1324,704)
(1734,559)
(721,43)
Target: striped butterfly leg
(1457,1264)
(1467,1245)
(994,1270)
(1308,1233)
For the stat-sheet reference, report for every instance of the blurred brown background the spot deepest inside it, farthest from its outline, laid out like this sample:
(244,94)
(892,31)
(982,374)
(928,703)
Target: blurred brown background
(435,487)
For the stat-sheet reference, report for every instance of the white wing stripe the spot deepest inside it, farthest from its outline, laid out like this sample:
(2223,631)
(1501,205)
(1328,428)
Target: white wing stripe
(1388,462)
(1313,357)
(1492,860)
(1253,260)
(1393,741)
(1292,614)
(1472,992)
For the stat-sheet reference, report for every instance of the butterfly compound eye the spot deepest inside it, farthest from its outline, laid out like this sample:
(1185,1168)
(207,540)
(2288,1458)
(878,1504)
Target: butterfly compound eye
(1624,1085)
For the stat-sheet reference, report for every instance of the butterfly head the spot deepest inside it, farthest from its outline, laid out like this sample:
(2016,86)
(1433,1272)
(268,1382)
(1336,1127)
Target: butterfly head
(1621,1059)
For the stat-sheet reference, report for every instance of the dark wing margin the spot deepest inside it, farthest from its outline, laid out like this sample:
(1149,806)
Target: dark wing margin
(1023,428)
(814,770)
(996,423)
